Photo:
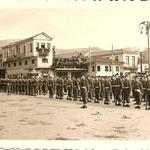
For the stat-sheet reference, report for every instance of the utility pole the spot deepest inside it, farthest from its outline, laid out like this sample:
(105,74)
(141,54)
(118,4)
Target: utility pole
(146,25)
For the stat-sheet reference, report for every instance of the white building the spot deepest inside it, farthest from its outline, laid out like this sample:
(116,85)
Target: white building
(127,58)
(104,67)
(33,54)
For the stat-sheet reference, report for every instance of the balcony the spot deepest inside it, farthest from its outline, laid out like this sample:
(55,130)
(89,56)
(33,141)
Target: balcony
(131,67)
(43,51)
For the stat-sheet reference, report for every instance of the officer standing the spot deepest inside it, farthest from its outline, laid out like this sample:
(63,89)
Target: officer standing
(69,88)
(76,88)
(97,87)
(84,91)
(107,90)
(126,91)
(61,88)
(147,92)
(138,89)
(91,88)
(118,90)
(51,87)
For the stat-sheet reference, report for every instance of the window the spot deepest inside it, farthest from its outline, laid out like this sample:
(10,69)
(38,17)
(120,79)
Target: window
(133,60)
(44,60)
(48,45)
(106,68)
(9,65)
(33,61)
(127,60)
(18,50)
(26,62)
(93,68)
(109,68)
(98,68)
(20,63)
(116,58)
(31,47)
(37,44)
(24,50)
(117,68)
(43,45)
(14,64)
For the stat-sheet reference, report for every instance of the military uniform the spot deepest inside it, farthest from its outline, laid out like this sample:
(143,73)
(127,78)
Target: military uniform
(143,81)
(84,91)
(117,90)
(138,89)
(97,87)
(70,89)
(57,88)
(75,89)
(61,88)
(51,87)
(126,92)
(107,89)
(147,92)
(91,89)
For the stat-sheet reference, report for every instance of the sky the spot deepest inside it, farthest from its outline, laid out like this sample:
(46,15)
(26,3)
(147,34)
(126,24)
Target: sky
(76,24)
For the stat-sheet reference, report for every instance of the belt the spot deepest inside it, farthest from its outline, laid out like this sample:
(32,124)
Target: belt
(148,89)
(83,87)
(107,87)
(115,85)
(126,87)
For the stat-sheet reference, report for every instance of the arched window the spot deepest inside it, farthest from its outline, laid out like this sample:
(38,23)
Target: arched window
(44,60)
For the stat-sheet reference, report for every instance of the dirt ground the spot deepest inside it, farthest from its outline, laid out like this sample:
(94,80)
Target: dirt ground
(26,117)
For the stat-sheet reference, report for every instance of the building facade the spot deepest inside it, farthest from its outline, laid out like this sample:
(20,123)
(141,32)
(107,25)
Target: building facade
(104,67)
(30,55)
(127,58)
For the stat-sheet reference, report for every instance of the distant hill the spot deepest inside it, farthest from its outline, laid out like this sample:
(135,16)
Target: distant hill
(75,51)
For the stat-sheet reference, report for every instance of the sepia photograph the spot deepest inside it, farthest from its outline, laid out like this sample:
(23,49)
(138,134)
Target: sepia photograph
(75,70)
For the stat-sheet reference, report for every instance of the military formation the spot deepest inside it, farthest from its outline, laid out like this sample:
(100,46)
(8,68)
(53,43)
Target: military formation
(115,89)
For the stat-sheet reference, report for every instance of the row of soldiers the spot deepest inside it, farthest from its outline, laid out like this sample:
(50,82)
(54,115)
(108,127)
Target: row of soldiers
(97,89)
(86,89)
(25,86)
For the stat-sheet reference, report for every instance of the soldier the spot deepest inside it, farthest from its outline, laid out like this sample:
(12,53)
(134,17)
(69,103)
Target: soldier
(84,91)
(138,89)
(118,90)
(97,87)
(51,87)
(126,91)
(44,87)
(91,89)
(107,90)
(70,88)
(57,88)
(102,90)
(61,88)
(76,87)
(143,81)
(40,85)
(147,92)
(8,86)
(65,85)
(132,84)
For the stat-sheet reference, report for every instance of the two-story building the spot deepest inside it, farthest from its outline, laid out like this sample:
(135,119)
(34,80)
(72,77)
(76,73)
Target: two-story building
(127,58)
(33,54)
(104,67)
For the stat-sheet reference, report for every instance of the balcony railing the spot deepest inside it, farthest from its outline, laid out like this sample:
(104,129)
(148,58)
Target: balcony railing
(43,51)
